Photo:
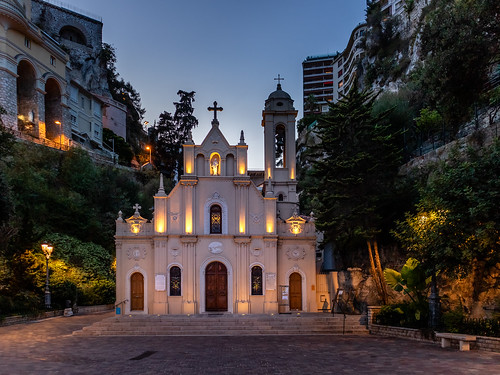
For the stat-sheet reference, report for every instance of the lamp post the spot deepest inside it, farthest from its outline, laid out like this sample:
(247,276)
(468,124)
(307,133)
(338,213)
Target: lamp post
(47,251)
(149,148)
(60,132)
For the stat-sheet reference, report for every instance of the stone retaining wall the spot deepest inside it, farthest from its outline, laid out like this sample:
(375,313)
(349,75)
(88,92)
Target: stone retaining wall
(18,319)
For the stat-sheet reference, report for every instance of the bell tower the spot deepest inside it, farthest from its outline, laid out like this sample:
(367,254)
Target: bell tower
(278,120)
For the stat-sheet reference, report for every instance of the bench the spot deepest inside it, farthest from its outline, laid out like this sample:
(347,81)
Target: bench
(464,340)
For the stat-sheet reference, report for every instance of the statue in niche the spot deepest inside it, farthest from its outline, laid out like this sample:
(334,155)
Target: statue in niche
(215,165)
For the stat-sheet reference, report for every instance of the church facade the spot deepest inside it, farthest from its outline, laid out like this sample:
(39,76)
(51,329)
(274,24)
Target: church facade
(225,239)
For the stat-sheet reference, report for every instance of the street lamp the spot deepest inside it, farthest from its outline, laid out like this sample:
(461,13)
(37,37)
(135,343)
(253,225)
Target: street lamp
(149,148)
(60,132)
(47,251)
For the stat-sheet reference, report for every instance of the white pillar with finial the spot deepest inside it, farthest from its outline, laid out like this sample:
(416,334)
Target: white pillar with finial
(160,211)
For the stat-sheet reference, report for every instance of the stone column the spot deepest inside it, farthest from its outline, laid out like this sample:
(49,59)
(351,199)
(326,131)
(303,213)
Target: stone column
(271,283)
(242,275)
(189,299)
(8,97)
(160,303)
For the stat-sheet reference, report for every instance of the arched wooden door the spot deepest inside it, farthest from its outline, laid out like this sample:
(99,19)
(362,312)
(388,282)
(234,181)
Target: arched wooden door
(137,291)
(216,287)
(295,291)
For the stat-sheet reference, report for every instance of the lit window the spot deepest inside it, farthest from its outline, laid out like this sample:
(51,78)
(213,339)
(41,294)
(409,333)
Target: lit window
(341,83)
(257,281)
(175,281)
(215,219)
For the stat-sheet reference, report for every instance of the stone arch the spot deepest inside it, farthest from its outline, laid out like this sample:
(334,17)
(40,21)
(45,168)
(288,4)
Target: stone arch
(53,111)
(200,165)
(296,269)
(215,199)
(27,103)
(127,290)
(73,34)
(280,150)
(230,165)
(229,268)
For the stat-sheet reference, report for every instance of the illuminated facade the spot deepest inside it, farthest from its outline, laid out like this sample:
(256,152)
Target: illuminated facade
(218,242)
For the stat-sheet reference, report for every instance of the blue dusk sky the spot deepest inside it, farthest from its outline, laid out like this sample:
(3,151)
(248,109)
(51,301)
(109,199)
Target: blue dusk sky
(228,51)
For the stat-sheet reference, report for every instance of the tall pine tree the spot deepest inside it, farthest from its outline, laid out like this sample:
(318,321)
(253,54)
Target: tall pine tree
(355,169)
(171,132)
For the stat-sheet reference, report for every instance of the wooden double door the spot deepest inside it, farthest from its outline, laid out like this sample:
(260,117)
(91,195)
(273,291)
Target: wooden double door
(216,287)
(137,291)
(295,291)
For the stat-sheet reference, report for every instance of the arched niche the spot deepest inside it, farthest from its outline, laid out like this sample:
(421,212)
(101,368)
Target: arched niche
(200,165)
(27,104)
(230,165)
(73,34)
(53,111)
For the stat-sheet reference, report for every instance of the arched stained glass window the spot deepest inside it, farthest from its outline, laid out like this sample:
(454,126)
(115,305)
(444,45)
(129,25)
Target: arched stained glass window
(175,281)
(257,281)
(215,219)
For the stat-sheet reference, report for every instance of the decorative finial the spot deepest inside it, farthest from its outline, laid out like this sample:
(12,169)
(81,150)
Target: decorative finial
(278,87)
(120,213)
(313,219)
(161,190)
(137,208)
(215,109)
(242,138)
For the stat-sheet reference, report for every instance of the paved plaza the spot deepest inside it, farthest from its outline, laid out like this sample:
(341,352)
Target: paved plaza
(48,347)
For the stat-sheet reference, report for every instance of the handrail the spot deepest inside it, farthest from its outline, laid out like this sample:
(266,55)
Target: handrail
(120,303)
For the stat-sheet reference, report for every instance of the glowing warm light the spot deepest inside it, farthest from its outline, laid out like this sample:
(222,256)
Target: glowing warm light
(296,223)
(242,227)
(148,148)
(189,168)
(215,164)
(57,122)
(135,228)
(160,226)
(242,169)
(270,226)
(189,222)
(268,172)
(292,174)
(296,229)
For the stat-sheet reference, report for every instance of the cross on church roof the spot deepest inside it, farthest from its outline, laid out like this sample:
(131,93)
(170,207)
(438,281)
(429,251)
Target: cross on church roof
(215,109)
(279,83)
(136,208)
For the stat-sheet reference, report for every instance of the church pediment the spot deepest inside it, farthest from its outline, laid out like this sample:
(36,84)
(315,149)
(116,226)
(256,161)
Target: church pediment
(215,140)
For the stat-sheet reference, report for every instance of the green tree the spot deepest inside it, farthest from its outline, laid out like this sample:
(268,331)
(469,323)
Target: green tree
(355,171)
(171,132)
(459,44)
(456,227)
(125,93)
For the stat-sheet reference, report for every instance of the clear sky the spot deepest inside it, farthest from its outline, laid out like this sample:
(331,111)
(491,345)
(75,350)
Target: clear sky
(228,51)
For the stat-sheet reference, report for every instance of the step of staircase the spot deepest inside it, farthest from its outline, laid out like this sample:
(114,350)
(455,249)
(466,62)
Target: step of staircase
(227,325)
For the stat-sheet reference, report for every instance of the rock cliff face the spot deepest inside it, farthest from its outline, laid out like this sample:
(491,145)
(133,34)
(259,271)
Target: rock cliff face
(395,46)
(81,37)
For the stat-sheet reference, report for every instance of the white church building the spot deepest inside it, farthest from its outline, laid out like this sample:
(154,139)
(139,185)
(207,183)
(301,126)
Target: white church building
(225,239)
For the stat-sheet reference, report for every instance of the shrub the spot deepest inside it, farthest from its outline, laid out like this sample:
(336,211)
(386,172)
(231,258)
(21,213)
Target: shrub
(411,315)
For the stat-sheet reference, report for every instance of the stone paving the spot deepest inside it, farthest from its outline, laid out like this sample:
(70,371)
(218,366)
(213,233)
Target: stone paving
(48,347)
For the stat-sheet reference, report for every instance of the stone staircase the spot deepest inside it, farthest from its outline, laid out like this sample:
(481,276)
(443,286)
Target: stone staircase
(227,325)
